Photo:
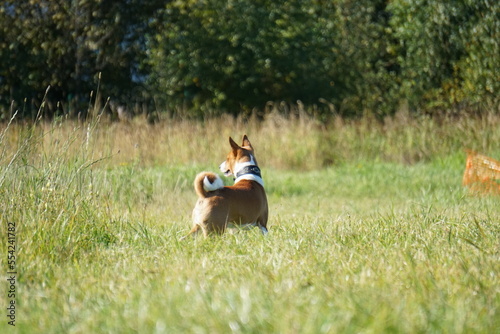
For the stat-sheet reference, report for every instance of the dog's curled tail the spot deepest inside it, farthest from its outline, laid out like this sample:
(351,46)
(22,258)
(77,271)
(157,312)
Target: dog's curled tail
(206,182)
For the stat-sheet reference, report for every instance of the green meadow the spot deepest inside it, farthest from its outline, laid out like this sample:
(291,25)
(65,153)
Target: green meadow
(371,230)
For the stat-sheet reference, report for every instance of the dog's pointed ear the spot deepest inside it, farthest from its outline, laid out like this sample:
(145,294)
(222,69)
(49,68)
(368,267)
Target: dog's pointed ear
(246,142)
(233,144)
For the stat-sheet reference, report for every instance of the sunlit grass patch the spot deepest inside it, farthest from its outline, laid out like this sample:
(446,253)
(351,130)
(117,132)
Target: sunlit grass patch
(368,242)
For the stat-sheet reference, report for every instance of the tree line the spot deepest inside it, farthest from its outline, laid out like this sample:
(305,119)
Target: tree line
(196,56)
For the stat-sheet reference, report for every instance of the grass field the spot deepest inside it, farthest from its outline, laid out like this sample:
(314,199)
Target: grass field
(371,230)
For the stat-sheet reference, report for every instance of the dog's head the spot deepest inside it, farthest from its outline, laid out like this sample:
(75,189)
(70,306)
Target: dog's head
(238,157)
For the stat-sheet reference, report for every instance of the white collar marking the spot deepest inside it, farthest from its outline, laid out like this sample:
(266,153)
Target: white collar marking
(250,177)
(240,165)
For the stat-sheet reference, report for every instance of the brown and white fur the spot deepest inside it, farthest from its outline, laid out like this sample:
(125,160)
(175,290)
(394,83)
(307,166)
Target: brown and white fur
(242,205)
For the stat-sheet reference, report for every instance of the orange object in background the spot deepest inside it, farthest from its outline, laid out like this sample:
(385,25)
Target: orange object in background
(482,174)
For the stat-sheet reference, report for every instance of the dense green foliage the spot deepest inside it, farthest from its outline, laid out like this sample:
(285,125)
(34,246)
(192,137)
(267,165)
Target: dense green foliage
(67,44)
(449,51)
(344,56)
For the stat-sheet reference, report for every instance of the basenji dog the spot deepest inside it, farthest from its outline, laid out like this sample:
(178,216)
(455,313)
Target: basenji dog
(243,204)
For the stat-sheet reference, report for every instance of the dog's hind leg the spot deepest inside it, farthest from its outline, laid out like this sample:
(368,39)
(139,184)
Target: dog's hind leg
(212,228)
(262,223)
(263,229)
(194,231)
